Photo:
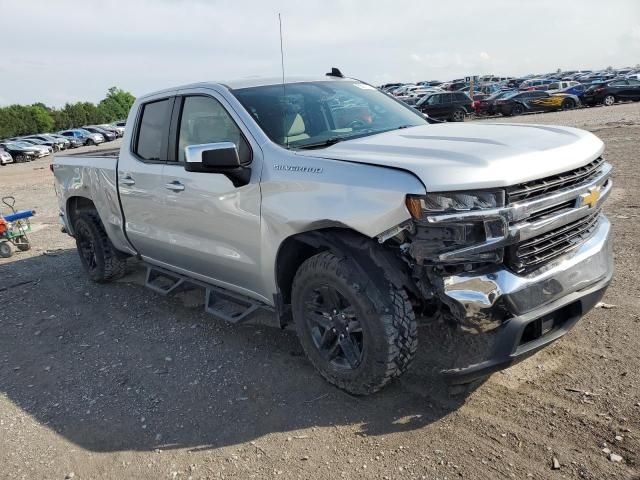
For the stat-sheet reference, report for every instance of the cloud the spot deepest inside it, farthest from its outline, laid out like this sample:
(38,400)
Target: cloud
(82,47)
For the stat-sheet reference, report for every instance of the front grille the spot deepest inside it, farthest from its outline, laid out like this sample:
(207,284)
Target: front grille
(537,188)
(530,254)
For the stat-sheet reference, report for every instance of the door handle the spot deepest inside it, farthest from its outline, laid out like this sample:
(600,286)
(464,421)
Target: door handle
(174,186)
(127,181)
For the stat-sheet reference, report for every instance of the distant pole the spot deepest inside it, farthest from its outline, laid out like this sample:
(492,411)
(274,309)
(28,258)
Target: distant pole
(281,50)
(282,106)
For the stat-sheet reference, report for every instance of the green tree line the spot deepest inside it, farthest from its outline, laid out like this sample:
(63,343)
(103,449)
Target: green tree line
(16,120)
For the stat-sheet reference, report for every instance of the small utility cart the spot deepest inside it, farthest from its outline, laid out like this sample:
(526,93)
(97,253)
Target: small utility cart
(14,228)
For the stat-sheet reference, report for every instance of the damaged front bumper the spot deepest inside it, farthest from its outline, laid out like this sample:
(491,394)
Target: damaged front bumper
(524,313)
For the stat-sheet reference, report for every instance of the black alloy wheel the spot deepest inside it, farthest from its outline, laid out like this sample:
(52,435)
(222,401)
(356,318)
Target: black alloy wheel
(86,247)
(335,329)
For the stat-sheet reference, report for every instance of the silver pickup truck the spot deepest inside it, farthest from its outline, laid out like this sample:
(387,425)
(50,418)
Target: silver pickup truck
(349,215)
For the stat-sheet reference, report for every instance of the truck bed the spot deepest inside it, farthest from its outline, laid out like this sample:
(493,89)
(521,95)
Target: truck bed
(105,152)
(92,176)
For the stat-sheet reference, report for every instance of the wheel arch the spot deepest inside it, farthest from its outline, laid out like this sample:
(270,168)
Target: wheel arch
(74,206)
(377,261)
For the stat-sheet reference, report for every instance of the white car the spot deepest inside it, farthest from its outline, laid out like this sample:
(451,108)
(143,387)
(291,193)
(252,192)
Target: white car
(558,86)
(5,157)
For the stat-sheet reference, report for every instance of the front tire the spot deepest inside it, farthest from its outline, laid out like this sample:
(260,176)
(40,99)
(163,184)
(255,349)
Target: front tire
(90,142)
(609,100)
(568,104)
(100,259)
(517,109)
(357,336)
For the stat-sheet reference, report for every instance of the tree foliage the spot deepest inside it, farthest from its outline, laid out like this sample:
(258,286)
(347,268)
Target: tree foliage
(18,120)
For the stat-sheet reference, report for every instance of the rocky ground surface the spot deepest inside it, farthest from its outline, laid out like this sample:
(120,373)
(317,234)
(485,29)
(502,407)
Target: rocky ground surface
(115,381)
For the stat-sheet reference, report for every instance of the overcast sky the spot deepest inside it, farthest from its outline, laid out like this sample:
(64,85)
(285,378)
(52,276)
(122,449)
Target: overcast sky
(77,49)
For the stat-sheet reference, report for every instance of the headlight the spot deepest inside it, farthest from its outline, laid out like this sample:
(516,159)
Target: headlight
(451,202)
(470,237)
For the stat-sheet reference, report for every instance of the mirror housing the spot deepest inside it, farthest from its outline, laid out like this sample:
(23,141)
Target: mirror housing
(211,157)
(221,157)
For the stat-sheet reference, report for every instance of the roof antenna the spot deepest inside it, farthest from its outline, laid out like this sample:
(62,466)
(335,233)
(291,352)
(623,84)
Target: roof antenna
(284,126)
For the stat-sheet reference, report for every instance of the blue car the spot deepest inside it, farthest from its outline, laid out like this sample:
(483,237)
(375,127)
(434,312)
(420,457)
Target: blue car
(577,90)
(88,138)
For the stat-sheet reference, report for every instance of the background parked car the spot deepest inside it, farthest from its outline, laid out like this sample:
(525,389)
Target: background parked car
(87,138)
(487,106)
(36,141)
(560,85)
(610,92)
(72,142)
(5,157)
(60,143)
(577,90)
(453,106)
(108,136)
(39,150)
(535,83)
(118,131)
(19,154)
(534,101)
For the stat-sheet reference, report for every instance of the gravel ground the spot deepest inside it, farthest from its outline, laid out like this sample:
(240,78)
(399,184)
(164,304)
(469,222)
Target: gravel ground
(114,381)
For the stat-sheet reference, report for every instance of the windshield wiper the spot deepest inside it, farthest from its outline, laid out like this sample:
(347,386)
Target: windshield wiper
(325,143)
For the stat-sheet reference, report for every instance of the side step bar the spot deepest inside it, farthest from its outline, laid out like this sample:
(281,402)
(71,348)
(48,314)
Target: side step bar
(226,305)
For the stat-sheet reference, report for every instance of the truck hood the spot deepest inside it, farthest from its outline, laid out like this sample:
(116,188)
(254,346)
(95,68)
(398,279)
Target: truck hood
(463,156)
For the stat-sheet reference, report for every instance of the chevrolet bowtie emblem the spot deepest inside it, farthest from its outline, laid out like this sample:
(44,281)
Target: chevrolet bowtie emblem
(590,198)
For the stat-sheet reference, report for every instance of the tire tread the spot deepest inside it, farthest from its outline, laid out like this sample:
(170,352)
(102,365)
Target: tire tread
(398,321)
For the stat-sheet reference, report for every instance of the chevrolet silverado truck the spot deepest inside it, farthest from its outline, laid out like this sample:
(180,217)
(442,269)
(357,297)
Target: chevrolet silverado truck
(349,215)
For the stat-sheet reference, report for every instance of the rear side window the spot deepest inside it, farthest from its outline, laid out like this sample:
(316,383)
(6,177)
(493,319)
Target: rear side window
(153,130)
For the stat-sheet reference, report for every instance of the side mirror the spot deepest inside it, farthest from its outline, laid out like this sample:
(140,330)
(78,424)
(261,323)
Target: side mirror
(211,157)
(221,157)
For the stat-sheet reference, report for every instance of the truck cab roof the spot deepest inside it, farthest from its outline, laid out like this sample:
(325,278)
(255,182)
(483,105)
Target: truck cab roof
(253,82)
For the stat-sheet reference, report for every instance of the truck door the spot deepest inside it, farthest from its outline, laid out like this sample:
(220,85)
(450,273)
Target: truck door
(213,226)
(140,180)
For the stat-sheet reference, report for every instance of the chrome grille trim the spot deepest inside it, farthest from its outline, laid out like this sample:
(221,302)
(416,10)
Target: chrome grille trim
(536,188)
(529,255)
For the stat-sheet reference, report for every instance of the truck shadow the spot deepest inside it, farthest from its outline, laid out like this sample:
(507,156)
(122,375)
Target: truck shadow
(118,367)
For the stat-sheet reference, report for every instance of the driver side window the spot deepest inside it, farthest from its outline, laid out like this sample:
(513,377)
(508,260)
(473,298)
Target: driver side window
(205,120)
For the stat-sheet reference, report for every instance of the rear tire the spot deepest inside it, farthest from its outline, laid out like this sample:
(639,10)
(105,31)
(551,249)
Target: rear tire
(517,109)
(458,115)
(90,142)
(332,297)
(609,100)
(568,104)
(98,256)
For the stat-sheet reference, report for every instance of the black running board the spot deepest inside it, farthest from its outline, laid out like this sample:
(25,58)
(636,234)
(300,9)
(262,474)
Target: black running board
(221,303)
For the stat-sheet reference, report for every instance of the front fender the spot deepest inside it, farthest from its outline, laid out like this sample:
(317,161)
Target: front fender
(302,194)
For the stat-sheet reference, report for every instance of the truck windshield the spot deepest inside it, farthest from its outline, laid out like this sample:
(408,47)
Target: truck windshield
(319,114)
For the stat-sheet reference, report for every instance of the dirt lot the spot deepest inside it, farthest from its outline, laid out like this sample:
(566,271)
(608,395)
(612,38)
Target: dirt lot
(114,381)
